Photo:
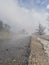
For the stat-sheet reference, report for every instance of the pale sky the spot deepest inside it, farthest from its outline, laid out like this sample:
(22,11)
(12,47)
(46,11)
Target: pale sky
(24,13)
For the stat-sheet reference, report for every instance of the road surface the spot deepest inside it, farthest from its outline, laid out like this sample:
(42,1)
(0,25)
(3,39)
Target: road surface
(15,49)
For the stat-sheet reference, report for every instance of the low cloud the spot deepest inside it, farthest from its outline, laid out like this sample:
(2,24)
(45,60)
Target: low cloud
(47,6)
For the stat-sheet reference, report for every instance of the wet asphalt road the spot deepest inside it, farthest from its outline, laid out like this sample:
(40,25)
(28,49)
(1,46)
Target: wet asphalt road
(15,48)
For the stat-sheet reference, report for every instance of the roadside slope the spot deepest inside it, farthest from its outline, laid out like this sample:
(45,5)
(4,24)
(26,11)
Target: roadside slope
(37,55)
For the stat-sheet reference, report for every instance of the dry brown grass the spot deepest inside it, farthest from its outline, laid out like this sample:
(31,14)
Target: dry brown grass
(5,35)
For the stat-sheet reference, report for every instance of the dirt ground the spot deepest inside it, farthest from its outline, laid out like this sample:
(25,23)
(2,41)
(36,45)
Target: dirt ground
(37,55)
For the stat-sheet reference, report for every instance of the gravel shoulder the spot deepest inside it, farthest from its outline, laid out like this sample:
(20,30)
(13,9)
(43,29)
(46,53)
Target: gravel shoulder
(37,55)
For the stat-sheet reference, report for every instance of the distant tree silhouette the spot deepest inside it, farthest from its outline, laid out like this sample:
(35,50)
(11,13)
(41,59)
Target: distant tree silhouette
(1,25)
(40,30)
(4,27)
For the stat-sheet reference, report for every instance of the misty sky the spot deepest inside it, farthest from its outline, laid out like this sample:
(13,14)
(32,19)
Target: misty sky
(24,13)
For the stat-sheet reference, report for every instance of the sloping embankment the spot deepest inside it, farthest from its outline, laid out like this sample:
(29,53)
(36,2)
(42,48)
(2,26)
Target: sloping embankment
(37,54)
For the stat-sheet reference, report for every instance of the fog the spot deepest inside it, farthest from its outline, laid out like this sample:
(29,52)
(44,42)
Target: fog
(19,17)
